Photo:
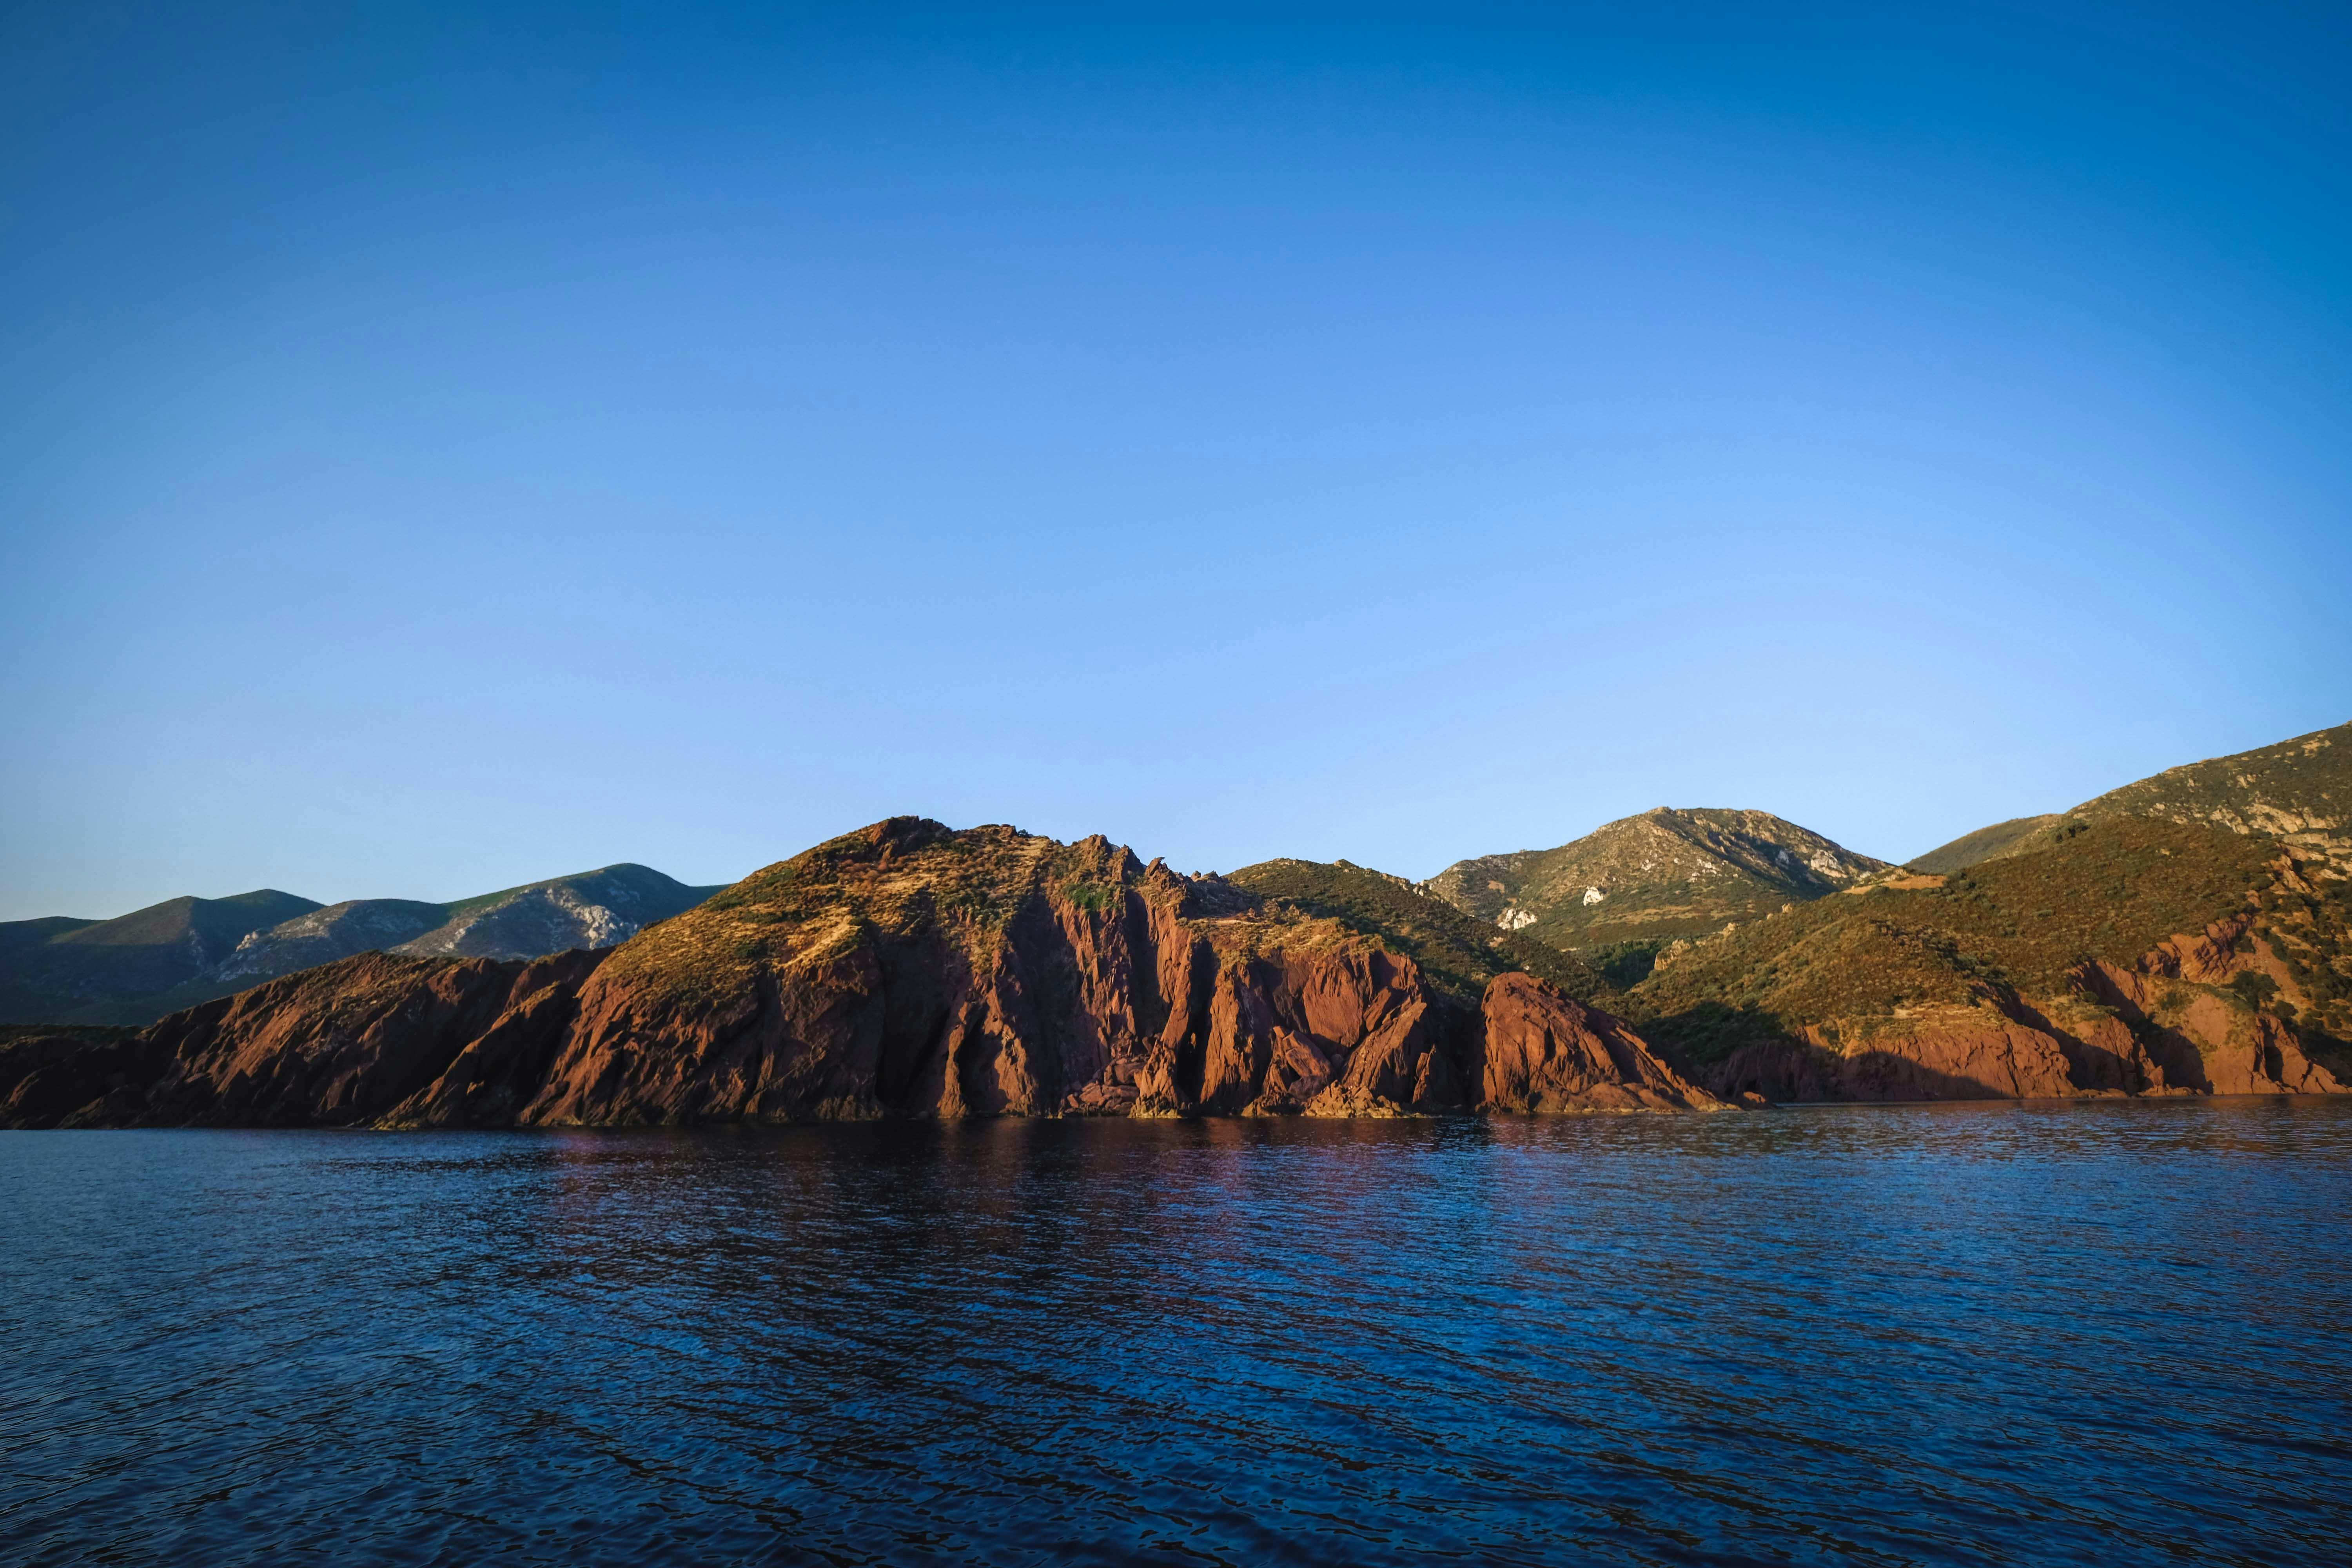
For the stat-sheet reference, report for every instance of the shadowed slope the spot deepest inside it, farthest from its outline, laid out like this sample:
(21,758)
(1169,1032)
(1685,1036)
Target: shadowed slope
(75,971)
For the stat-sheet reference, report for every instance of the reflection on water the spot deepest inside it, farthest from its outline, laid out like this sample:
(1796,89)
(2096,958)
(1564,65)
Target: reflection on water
(1985,1333)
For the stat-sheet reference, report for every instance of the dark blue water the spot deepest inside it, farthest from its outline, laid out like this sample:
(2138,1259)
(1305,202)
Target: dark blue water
(2093,1333)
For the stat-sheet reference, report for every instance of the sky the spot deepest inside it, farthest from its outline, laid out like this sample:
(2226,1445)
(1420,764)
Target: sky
(446,448)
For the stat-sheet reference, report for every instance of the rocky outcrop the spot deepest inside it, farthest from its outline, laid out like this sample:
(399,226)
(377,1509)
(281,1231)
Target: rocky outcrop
(2169,1024)
(340,1045)
(1944,1053)
(904,971)
(1547,1052)
(2206,1039)
(2103,1056)
(1106,987)
(1967,1054)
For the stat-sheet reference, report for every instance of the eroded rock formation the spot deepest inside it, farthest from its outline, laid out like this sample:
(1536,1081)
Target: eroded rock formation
(1547,1052)
(2202,1031)
(2171,1024)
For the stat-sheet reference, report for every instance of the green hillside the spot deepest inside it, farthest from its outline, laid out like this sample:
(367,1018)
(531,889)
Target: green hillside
(1984,844)
(2298,792)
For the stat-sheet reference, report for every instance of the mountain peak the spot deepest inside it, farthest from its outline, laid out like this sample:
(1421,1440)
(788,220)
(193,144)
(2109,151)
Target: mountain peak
(1667,872)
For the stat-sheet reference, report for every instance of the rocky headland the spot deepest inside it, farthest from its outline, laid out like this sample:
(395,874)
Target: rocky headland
(2188,935)
(907,969)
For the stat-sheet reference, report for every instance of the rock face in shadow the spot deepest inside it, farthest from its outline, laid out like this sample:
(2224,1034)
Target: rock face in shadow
(2208,1039)
(1548,1052)
(345,1044)
(1988,1056)
(71,1080)
(905,970)
(341,1045)
(2003,1048)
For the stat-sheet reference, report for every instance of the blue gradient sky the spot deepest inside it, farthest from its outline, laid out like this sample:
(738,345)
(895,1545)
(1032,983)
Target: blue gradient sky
(440,451)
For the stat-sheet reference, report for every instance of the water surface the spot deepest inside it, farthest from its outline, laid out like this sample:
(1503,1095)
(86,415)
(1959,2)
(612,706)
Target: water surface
(2078,1333)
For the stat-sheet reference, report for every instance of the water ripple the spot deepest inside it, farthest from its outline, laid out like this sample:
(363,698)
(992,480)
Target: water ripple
(2087,1333)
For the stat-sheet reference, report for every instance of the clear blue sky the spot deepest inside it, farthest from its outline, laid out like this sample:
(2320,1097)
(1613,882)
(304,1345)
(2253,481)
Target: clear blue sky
(441,448)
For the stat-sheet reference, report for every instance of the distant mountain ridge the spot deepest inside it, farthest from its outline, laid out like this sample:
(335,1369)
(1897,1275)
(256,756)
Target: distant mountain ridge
(54,968)
(591,909)
(1664,874)
(141,966)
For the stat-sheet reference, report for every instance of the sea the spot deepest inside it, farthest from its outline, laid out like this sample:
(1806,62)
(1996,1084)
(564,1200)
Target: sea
(2094,1333)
